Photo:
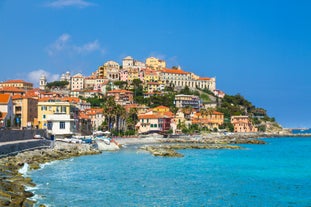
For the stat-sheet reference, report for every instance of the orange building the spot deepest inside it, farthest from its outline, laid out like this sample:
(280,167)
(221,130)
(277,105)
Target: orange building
(210,120)
(17,83)
(121,97)
(242,124)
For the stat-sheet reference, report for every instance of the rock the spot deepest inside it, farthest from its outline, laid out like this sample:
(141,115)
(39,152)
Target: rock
(12,183)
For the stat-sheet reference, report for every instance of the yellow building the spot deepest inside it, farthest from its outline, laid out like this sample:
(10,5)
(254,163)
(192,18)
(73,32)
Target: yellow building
(210,120)
(155,63)
(161,109)
(47,107)
(102,71)
(151,76)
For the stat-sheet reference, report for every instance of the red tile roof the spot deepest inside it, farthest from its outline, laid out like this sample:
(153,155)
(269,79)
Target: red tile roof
(16,81)
(12,89)
(206,78)
(4,98)
(175,71)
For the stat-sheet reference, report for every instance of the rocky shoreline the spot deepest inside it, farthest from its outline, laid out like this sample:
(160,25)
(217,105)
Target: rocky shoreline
(13,184)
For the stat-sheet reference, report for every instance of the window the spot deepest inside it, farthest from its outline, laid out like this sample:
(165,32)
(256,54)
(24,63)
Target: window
(44,116)
(62,125)
(50,125)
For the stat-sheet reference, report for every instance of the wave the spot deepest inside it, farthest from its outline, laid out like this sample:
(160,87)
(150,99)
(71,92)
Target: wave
(24,169)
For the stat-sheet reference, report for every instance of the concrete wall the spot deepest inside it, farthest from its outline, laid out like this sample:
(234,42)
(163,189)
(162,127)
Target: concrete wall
(11,149)
(17,135)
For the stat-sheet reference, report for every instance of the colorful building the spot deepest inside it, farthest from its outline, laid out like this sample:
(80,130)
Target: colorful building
(25,110)
(6,110)
(17,84)
(242,124)
(121,97)
(77,82)
(48,107)
(210,120)
(155,63)
(183,101)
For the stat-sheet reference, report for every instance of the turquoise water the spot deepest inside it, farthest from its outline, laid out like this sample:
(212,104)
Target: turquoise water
(275,174)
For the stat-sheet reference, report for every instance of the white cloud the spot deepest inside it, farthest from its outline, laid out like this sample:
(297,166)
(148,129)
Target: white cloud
(69,3)
(89,47)
(62,45)
(34,76)
(59,45)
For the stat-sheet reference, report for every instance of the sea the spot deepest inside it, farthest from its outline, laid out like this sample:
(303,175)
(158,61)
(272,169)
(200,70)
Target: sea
(275,174)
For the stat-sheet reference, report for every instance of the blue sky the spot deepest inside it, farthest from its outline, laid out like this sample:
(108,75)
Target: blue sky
(260,48)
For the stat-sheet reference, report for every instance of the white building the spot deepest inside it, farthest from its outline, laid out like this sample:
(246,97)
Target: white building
(43,82)
(127,62)
(60,125)
(180,79)
(6,109)
(77,82)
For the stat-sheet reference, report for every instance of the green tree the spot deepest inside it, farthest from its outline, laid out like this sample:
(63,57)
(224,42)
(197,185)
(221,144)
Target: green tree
(109,112)
(57,84)
(132,119)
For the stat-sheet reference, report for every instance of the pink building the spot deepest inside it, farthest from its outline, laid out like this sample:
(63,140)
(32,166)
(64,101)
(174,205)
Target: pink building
(242,124)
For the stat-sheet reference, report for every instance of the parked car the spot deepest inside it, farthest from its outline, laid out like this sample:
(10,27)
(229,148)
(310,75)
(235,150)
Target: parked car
(37,136)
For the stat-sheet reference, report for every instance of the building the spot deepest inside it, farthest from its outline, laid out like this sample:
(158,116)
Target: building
(90,82)
(219,93)
(60,125)
(209,120)
(12,91)
(242,124)
(155,63)
(183,101)
(42,82)
(127,62)
(180,79)
(96,116)
(65,77)
(25,110)
(17,84)
(6,110)
(130,74)
(153,123)
(48,107)
(121,97)
(151,76)
(77,82)
(151,87)
(108,68)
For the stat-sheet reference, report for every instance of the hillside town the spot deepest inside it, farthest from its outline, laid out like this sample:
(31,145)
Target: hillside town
(126,99)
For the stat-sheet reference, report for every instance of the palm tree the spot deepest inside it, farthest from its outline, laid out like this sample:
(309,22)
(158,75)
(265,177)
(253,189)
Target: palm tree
(109,111)
(131,119)
(120,114)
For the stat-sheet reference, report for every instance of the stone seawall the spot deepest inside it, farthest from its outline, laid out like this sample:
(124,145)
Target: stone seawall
(14,141)
(12,148)
(17,135)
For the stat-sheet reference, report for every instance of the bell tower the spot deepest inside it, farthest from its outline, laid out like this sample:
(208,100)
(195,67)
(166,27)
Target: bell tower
(42,82)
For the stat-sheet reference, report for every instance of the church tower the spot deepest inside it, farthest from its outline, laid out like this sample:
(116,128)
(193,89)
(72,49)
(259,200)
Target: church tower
(42,82)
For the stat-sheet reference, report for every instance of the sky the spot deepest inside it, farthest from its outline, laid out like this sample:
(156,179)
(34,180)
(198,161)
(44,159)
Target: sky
(260,49)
